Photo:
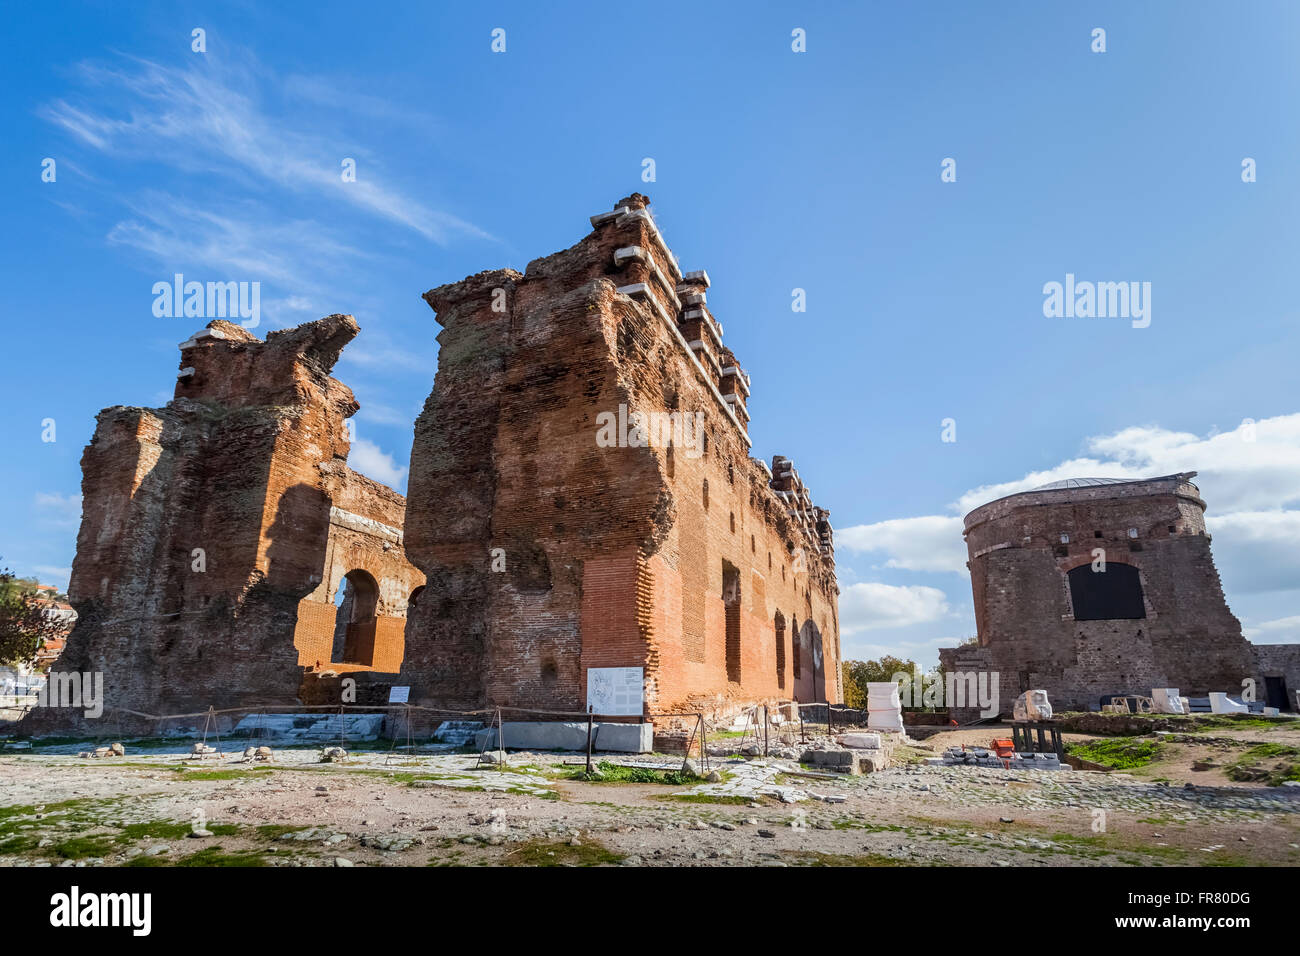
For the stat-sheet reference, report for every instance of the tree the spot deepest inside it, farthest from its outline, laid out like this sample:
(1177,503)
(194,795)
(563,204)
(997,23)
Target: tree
(858,674)
(24,626)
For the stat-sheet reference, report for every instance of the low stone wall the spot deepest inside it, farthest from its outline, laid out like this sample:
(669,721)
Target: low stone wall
(1130,725)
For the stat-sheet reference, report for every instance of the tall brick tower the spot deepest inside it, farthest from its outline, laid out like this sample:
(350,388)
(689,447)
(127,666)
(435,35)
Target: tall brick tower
(1049,617)
(560,527)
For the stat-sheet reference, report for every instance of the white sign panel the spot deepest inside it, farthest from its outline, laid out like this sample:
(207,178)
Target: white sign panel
(616,691)
(399,695)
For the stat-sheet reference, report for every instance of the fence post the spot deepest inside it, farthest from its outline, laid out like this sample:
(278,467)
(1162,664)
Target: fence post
(590,711)
(765,723)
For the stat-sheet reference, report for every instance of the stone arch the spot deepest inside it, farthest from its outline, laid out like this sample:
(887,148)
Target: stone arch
(413,601)
(810,682)
(357,603)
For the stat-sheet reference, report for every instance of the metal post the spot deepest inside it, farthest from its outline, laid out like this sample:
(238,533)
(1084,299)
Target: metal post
(765,723)
(589,719)
(830,725)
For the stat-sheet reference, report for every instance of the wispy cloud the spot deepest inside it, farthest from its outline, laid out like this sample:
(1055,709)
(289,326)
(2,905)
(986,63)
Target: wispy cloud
(215,117)
(240,240)
(373,462)
(62,511)
(1282,630)
(49,574)
(926,543)
(1247,476)
(869,606)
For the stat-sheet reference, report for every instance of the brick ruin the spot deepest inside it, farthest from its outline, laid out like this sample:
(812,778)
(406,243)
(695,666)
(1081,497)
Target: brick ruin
(1156,618)
(581,495)
(690,559)
(355,619)
(208,527)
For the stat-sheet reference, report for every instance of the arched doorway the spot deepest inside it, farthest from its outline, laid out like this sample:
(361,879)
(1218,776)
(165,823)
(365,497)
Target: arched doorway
(809,685)
(356,600)
(779,625)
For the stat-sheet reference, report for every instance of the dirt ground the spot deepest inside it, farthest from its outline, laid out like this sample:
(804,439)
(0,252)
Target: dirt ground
(377,808)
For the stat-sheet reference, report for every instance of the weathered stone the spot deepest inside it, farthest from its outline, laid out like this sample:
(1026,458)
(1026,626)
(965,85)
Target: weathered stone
(1048,618)
(205,524)
(581,496)
(703,566)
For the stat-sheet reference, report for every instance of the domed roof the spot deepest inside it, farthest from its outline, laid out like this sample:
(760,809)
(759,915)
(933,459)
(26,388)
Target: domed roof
(1085,483)
(1069,484)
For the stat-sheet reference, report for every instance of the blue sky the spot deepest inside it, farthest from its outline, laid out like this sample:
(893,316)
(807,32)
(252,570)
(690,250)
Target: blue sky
(774,170)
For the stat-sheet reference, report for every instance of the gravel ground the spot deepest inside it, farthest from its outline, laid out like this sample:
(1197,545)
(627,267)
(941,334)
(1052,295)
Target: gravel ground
(376,809)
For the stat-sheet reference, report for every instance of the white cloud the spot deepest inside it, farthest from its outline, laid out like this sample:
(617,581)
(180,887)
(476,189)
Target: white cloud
(63,511)
(1234,472)
(1283,630)
(1248,477)
(927,543)
(376,352)
(378,413)
(58,577)
(214,116)
(240,240)
(367,458)
(1256,551)
(870,605)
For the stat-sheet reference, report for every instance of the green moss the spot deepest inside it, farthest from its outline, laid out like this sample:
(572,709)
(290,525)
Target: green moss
(157,829)
(1118,753)
(542,853)
(273,831)
(216,856)
(17,845)
(212,856)
(220,774)
(815,858)
(1250,766)
(725,799)
(79,848)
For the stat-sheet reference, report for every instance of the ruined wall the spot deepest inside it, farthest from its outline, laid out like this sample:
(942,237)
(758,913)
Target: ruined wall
(365,541)
(608,555)
(1278,670)
(205,523)
(1022,550)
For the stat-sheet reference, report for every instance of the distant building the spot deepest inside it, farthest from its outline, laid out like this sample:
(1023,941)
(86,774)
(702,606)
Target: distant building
(1098,586)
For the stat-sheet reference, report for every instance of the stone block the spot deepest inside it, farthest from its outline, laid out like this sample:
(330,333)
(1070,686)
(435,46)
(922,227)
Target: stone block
(569,735)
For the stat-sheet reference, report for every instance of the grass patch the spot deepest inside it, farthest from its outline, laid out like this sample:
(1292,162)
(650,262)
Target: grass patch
(543,853)
(78,848)
(273,831)
(815,858)
(1251,766)
(723,799)
(1118,753)
(212,856)
(607,772)
(215,856)
(157,829)
(219,774)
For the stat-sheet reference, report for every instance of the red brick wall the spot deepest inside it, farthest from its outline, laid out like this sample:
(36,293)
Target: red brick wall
(612,558)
